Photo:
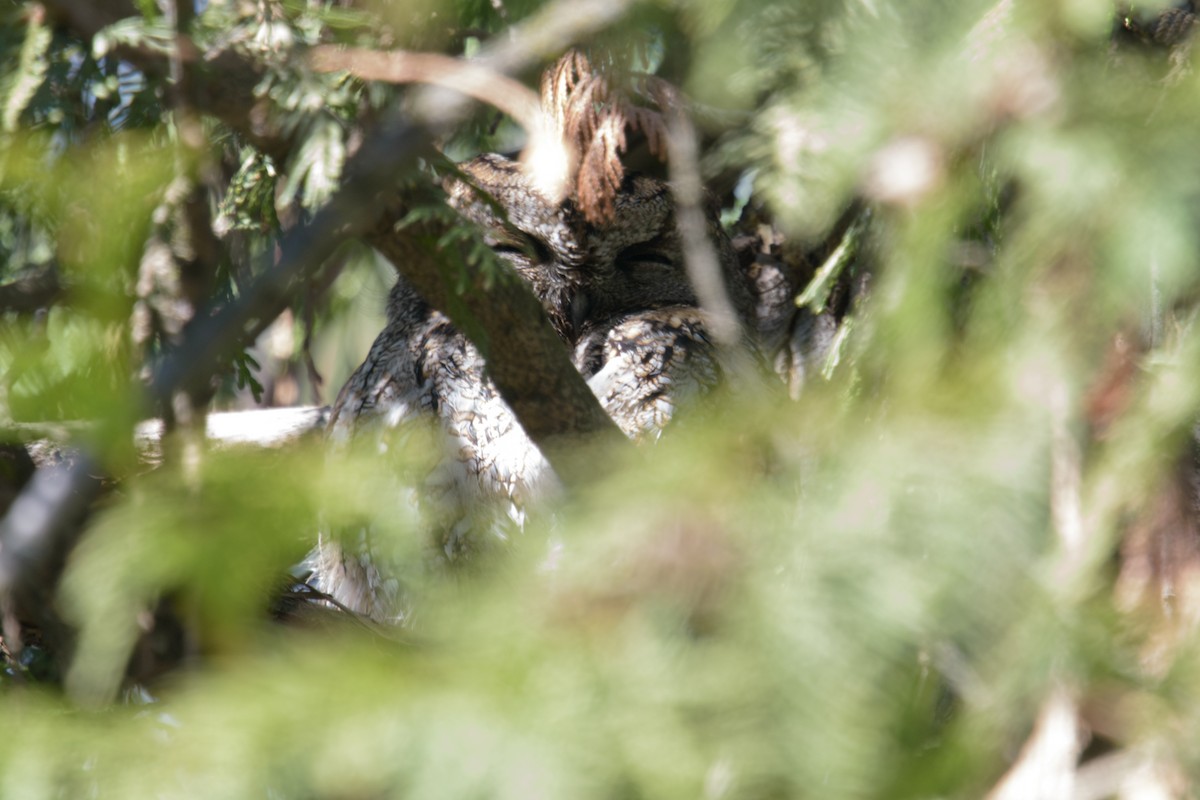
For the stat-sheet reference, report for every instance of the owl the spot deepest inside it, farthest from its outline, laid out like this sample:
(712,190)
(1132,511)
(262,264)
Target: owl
(618,296)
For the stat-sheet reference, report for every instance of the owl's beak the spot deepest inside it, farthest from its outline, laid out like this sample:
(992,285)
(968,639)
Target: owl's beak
(581,307)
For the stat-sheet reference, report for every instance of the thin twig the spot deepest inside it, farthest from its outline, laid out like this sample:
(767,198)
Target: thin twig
(701,260)
(1066,481)
(194,250)
(310,594)
(703,266)
(397,66)
(309,320)
(816,294)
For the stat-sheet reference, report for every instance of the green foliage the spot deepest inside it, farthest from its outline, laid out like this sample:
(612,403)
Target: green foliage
(250,203)
(868,592)
(28,74)
(76,363)
(243,370)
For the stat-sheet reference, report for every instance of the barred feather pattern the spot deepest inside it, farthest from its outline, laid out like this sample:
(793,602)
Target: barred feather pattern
(642,367)
(617,294)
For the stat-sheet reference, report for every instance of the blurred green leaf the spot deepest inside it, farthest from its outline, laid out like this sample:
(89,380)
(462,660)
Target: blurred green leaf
(866,592)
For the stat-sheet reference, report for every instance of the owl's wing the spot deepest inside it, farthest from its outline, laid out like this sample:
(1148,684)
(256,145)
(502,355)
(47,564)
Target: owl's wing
(386,392)
(488,462)
(485,471)
(643,367)
(386,388)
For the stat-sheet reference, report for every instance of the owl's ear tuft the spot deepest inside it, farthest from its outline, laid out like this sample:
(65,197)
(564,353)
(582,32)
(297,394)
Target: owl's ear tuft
(592,112)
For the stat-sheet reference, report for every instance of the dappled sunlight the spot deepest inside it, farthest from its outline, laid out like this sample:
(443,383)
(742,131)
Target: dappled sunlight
(877,481)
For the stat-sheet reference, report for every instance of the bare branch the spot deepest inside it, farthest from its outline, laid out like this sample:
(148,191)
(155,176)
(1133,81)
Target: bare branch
(35,289)
(724,312)
(49,502)
(545,157)
(259,427)
(194,249)
(265,427)
(703,267)
(1066,480)
(397,66)
(554,28)
(35,536)
(525,357)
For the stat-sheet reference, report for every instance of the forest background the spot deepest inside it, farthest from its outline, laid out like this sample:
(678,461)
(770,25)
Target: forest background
(948,550)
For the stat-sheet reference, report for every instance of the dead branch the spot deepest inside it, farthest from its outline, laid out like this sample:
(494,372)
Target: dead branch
(263,427)
(703,266)
(397,66)
(545,157)
(259,427)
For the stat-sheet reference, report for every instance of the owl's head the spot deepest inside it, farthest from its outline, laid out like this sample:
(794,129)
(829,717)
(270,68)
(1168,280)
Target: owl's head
(582,271)
(636,259)
(532,233)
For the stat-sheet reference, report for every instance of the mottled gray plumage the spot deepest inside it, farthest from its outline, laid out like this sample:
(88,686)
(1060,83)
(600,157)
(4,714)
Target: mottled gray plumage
(618,296)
